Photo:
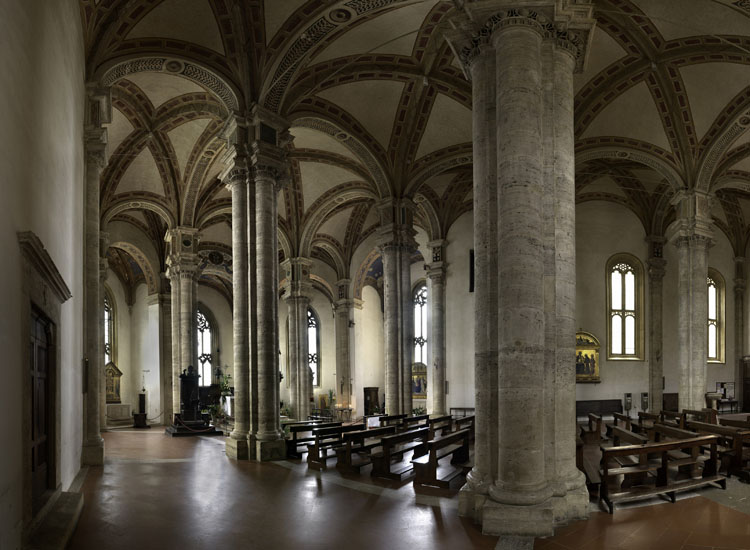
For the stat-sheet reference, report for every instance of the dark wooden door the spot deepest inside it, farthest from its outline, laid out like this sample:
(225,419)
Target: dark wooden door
(42,438)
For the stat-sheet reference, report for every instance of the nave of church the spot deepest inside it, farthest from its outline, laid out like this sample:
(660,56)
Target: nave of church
(517,227)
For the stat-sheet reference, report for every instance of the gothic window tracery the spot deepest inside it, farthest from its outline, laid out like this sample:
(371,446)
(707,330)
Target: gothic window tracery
(109,328)
(420,324)
(715,317)
(625,307)
(205,359)
(313,345)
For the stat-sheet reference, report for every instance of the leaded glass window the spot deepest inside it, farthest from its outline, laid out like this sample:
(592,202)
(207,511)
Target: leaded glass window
(313,345)
(205,359)
(625,307)
(109,329)
(420,324)
(715,317)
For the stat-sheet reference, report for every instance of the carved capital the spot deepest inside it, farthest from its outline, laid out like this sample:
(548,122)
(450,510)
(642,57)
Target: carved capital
(656,269)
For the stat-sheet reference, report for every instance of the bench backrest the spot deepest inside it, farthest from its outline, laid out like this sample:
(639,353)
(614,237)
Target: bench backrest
(437,419)
(361,435)
(725,431)
(309,427)
(620,435)
(660,447)
(598,406)
(706,415)
(674,416)
(735,423)
(647,416)
(465,421)
(450,439)
(416,418)
(385,420)
(336,430)
(411,435)
(619,417)
(664,430)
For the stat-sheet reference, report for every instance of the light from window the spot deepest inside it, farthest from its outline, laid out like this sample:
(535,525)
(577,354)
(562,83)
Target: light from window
(713,320)
(420,324)
(312,346)
(205,359)
(108,329)
(622,309)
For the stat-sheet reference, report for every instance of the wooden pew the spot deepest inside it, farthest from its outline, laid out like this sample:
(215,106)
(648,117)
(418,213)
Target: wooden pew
(392,451)
(672,418)
(297,428)
(735,423)
(594,432)
(354,453)
(465,423)
(620,420)
(658,467)
(392,420)
(706,415)
(732,442)
(413,422)
(427,469)
(687,462)
(324,439)
(645,424)
(442,424)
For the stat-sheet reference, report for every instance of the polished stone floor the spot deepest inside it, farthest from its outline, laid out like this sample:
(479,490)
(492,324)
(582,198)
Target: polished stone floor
(183,493)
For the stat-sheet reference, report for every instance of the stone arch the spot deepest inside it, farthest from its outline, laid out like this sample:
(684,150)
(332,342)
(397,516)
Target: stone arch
(144,204)
(152,281)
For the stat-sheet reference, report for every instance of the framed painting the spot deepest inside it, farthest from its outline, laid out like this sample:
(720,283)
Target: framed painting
(587,358)
(419,381)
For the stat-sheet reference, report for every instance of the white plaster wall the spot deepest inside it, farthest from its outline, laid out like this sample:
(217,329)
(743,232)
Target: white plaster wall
(122,356)
(41,184)
(367,348)
(222,314)
(721,258)
(144,354)
(459,315)
(604,229)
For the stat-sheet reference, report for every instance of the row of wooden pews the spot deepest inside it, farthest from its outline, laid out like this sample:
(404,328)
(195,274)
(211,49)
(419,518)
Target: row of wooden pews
(433,443)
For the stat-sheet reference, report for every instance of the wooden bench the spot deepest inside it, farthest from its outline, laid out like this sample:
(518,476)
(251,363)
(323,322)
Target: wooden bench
(354,453)
(735,423)
(386,462)
(297,428)
(594,432)
(672,418)
(621,420)
(442,424)
(645,424)
(706,415)
(599,407)
(732,446)
(658,467)
(465,423)
(392,420)
(465,411)
(324,439)
(427,469)
(413,422)
(685,461)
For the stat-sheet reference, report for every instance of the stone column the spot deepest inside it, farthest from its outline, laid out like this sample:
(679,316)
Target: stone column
(342,318)
(436,299)
(297,297)
(237,182)
(165,348)
(269,168)
(656,271)
(103,265)
(739,326)
(98,112)
(692,235)
(182,268)
(396,241)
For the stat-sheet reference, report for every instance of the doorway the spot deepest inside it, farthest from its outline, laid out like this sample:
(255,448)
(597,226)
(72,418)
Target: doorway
(41,372)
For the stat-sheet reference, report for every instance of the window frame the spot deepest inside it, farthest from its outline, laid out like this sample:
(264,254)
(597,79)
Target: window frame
(213,327)
(718,279)
(107,296)
(638,313)
(422,340)
(311,313)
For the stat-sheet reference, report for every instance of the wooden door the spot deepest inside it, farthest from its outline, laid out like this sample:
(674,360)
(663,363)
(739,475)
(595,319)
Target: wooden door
(42,434)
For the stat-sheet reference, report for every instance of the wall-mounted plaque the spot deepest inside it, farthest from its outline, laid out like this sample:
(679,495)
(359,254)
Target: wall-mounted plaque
(587,357)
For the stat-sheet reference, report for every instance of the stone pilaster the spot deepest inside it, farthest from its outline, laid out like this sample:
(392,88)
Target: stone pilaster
(297,296)
(269,166)
(165,348)
(656,270)
(237,182)
(396,242)
(739,327)
(521,61)
(98,113)
(182,269)
(692,235)
(342,318)
(436,293)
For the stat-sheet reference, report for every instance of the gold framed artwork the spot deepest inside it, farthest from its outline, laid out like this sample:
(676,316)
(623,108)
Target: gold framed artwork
(419,381)
(587,358)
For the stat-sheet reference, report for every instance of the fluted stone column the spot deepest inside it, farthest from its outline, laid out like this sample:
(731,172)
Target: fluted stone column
(98,112)
(521,62)
(396,241)
(182,269)
(165,348)
(739,326)
(656,271)
(692,235)
(237,182)
(269,170)
(436,293)
(342,317)
(297,298)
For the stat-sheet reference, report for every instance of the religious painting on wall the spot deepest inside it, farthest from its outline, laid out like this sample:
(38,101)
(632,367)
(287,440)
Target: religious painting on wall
(587,357)
(419,381)
(113,375)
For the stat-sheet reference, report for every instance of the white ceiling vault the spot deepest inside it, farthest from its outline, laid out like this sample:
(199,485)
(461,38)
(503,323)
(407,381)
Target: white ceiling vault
(379,108)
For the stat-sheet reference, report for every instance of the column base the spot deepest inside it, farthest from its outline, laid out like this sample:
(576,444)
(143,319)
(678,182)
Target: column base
(517,522)
(238,449)
(92,454)
(515,543)
(270,450)
(575,503)
(471,502)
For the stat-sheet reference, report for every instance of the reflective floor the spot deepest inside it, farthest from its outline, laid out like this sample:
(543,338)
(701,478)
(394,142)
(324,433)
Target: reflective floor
(160,492)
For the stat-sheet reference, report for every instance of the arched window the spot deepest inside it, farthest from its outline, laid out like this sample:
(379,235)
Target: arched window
(715,316)
(625,307)
(109,328)
(420,324)
(205,359)
(313,345)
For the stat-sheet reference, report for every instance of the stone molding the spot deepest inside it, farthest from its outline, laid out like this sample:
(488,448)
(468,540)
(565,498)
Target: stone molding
(36,254)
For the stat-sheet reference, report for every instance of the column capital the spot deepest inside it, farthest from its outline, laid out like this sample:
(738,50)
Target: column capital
(297,283)
(396,223)
(656,269)
(693,217)
(182,257)
(98,112)
(342,288)
(269,143)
